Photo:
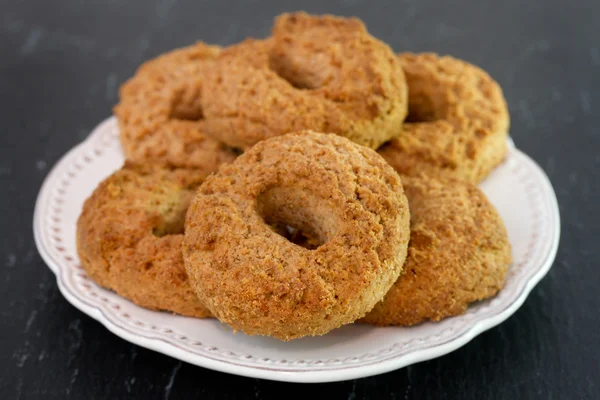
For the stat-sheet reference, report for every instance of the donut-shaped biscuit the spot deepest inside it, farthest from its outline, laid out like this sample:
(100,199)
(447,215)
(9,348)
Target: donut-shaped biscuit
(458,254)
(160,115)
(457,124)
(323,73)
(341,194)
(130,232)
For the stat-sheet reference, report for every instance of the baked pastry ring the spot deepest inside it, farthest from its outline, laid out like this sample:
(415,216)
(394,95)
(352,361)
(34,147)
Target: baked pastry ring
(322,73)
(129,236)
(160,114)
(257,281)
(458,253)
(457,124)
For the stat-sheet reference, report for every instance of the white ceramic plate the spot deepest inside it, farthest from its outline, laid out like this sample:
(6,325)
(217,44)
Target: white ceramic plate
(518,188)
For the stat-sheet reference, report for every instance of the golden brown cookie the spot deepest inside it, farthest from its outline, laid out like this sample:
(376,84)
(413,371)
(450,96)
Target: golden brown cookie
(160,115)
(458,253)
(341,194)
(457,123)
(129,237)
(322,73)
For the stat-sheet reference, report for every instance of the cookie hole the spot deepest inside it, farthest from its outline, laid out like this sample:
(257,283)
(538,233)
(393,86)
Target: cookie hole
(185,104)
(186,114)
(297,215)
(169,228)
(295,235)
(172,214)
(414,117)
(419,240)
(423,108)
(304,73)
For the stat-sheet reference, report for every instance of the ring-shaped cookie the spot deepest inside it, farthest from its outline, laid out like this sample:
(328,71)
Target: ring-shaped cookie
(257,281)
(458,253)
(326,74)
(160,113)
(457,124)
(130,232)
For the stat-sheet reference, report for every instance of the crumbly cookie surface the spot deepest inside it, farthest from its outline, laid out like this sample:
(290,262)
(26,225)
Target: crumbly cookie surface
(322,73)
(457,124)
(129,237)
(160,113)
(342,195)
(458,254)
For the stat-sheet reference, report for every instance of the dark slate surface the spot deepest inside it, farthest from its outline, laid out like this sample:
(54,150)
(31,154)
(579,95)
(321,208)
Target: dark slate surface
(61,63)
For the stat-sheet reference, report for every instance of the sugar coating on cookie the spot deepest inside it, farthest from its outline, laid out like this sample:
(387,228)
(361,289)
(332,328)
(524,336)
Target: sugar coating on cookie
(322,73)
(160,114)
(342,195)
(457,124)
(129,237)
(458,253)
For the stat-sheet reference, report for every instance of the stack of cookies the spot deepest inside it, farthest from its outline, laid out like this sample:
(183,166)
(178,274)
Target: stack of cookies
(291,185)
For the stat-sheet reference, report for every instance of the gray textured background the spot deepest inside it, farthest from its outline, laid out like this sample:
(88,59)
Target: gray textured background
(61,63)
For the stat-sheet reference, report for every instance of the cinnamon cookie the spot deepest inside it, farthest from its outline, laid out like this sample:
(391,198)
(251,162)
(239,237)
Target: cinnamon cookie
(458,254)
(457,124)
(342,195)
(322,73)
(160,114)
(130,232)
